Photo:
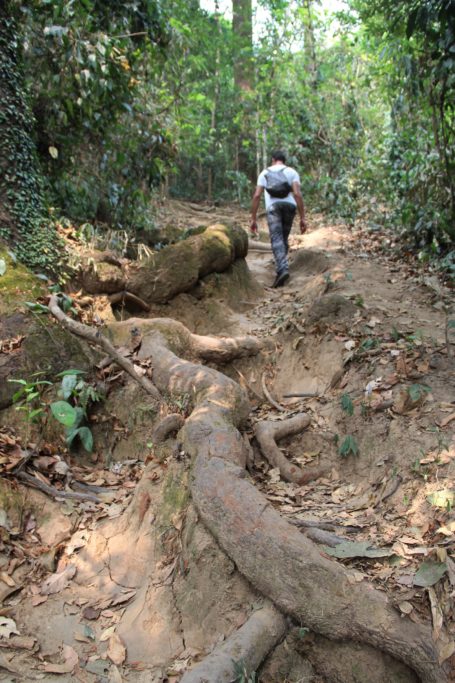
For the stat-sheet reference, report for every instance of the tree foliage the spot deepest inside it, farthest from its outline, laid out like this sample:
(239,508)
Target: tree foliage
(135,98)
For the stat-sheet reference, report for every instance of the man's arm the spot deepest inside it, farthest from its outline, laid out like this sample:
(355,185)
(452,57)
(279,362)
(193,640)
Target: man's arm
(254,207)
(299,201)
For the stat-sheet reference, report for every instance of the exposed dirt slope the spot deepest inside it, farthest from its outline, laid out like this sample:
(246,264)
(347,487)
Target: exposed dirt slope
(352,329)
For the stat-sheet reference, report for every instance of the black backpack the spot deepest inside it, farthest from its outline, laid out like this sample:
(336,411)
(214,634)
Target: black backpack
(277,184)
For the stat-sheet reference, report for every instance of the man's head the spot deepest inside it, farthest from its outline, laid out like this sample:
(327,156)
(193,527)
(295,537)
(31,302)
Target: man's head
(278,156)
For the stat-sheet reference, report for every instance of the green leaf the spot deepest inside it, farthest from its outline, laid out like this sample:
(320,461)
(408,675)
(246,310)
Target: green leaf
(64,413)
(416,391)
(349,549)
(68,384)
(429,573)
(71,372)
(349,445)
(347,404)
(2,267)
(36,308)
(85,435)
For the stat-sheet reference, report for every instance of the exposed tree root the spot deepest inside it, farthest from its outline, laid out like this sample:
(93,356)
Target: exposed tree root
(271,554)
(127,297)
(249,645)
(269,396)
(30,480)
(268,432)
(94,336)
(168,425)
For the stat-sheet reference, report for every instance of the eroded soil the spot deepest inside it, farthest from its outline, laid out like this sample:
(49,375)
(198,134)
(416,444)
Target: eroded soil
(363,338)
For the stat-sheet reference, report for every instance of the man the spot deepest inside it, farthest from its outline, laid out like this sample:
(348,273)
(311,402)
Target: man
(282,197)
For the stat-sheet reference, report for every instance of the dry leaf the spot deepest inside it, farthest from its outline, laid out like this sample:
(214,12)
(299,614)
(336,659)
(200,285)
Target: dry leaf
(436,614)
(446,420)
(71,661)
(38,600)
(107,633)
(91,613)
(116,650)
(445,651)
(405,607)
(57,582)
(114,675)
(7,627)
(7,579)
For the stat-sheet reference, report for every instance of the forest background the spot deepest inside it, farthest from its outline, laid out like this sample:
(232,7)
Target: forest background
(110,106)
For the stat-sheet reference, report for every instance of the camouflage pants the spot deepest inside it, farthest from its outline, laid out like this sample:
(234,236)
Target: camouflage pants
(279,218)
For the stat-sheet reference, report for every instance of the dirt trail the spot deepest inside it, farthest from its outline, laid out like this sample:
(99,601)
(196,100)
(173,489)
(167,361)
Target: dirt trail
(365,337)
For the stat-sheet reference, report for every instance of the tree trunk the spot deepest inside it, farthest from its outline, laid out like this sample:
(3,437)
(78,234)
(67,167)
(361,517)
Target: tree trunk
(22,213)
(242,27)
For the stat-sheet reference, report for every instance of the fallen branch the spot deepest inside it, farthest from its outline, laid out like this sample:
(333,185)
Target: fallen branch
(248,646)
(52,491)
(94,336)
(268,432)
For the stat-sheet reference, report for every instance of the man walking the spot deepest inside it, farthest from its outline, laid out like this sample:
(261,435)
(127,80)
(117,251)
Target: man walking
(282,197)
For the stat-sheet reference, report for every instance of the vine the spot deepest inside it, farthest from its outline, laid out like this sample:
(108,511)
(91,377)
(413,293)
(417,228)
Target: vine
(23,220)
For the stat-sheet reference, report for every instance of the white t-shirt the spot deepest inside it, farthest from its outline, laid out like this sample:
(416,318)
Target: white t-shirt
(291,175)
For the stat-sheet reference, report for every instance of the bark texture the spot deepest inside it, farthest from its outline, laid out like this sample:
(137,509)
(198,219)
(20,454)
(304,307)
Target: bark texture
(271,554)
(251,644)
(171,271)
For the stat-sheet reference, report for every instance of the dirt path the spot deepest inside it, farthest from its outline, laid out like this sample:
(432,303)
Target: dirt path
(365,337)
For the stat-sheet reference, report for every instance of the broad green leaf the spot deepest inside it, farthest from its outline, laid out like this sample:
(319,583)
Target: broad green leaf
(71,372)
(356,549)
(36,308)
(2,267)
(429,573)
(68,384)
(64,413)
(85,435)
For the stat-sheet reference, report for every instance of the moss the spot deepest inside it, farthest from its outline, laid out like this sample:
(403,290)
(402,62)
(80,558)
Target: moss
(175,495)
(17,285)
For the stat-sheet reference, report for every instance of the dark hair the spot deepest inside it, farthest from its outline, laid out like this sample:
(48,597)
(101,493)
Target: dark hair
(278,155)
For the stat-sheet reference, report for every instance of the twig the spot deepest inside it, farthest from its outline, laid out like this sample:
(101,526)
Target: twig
(95,337)
(121,297)
(307,395)
(269,397)
(52,491)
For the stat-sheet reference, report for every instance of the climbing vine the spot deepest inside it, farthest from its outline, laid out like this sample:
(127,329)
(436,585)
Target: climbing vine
(23,222)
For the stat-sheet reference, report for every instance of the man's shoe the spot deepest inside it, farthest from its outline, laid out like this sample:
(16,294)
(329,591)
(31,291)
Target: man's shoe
(280,280)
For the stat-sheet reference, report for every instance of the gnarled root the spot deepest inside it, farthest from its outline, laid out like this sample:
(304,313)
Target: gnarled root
(268,432)
(271,554)
(249,645)
(168,425)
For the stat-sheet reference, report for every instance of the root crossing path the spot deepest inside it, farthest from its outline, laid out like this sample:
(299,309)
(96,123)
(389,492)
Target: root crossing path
(221,579)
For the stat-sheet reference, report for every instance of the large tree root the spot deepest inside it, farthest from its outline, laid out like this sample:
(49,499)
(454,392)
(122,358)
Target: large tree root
(249,645)
(271,554)
(95,337)
(268,432)
(172,270)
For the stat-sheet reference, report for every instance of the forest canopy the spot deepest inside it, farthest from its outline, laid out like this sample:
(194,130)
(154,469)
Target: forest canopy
(126,102)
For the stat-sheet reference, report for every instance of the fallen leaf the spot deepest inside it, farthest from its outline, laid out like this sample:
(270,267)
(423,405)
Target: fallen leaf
(114,675)
(107,633)
(7,627)
(429,573)
(446,420)
(445,498)
(120,599)
(436,614)
(38,600)
(20,642)
(7,579)
(116,650)
(57,582)
(91,613)
(445,651)
(405,607)
(71,661)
